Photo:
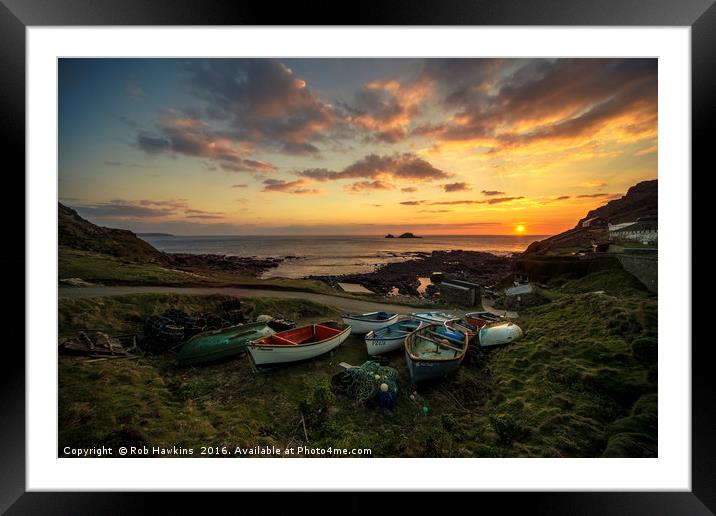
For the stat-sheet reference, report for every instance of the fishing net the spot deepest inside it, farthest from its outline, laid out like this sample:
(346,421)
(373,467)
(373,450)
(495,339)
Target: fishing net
(363,383)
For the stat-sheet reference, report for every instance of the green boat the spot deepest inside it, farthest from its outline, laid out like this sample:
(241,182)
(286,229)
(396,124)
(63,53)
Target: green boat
(218,344)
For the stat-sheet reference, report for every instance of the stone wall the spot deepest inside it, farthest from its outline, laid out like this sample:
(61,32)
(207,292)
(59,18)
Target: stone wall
(645,266)
(457,294)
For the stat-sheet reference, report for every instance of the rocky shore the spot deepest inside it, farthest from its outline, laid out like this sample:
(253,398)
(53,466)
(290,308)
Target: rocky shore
(243,266)
(484,268)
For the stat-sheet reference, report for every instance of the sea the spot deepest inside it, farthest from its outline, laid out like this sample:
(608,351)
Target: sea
(335,255)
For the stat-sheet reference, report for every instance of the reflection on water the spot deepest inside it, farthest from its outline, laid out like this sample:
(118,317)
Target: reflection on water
(424,282)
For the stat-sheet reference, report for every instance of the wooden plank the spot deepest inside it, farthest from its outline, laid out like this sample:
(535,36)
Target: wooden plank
(451,339)
(442,343)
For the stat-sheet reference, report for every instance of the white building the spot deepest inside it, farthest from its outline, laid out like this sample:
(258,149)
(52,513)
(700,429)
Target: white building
(644,232)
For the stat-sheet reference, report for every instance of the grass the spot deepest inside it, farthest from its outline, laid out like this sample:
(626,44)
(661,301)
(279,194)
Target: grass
(616,282)
(581,383)
(100,268)
(109,270)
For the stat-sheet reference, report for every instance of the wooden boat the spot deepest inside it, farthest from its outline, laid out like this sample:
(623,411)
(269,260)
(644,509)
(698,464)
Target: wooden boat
(214,345)
(391,337)
(434,350)
(371,321)
(480,319)
(298,343)
(463,326)
(433,317)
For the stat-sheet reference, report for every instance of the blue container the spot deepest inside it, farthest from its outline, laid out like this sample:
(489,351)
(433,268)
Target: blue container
(389,398)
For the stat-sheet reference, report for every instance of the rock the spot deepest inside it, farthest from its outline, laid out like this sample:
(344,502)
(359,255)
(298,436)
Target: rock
(76,282)
(482,268)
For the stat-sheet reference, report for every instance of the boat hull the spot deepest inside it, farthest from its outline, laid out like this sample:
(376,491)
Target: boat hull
(220,344)
(266,354)
(360,326)
(421,370)
(498,334)
(384,345)
(391,337)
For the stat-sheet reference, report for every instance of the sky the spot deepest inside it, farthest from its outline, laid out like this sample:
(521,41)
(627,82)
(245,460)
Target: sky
(352,146)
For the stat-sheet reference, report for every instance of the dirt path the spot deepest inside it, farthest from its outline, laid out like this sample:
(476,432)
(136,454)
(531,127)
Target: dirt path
(341,303)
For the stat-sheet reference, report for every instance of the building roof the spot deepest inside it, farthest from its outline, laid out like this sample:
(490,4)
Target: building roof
(638,226)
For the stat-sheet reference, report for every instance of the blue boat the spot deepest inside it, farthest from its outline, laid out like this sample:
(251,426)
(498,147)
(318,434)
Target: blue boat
(433,351)
(433,317)
(363,323)
(391,337)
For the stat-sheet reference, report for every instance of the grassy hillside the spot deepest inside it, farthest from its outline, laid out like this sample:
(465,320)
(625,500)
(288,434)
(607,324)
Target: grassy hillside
(74,232)
(109,270)
(582,383)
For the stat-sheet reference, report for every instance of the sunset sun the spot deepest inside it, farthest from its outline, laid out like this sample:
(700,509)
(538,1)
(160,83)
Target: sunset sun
(520,229)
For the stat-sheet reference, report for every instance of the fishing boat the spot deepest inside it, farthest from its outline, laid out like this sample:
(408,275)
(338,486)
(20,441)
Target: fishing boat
(480,319)
(434,350)
(363,323)
(215,345)
(391,337)
(298,343)
(498,334)
(433,317)
(461,325)
(489,335)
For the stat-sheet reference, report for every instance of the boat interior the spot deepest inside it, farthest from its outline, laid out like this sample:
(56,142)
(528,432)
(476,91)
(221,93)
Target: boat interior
(433,345)
(373,316)
(303,335)
(400,328)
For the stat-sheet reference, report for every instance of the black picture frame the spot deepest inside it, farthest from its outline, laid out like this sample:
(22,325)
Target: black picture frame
(16,15)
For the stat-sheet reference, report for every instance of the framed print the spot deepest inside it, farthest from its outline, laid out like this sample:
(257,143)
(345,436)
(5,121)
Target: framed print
(427,241)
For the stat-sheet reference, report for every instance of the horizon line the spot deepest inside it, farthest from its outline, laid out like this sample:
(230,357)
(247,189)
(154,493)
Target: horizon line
(162,233)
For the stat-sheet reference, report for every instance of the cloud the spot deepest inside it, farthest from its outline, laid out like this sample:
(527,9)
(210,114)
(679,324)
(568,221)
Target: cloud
(593,184)
(162,209)
(409,189)
(261,101)
(492,192)
(396,166)
(385,109)
(134,91)
(362,186)
(152,144)
(298,186)
(242,185)
(456,187)
(121,164)
(182,134)
(208,216)
(526,102)
(563,197)
(498,200)
(452,203)
(591,196)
